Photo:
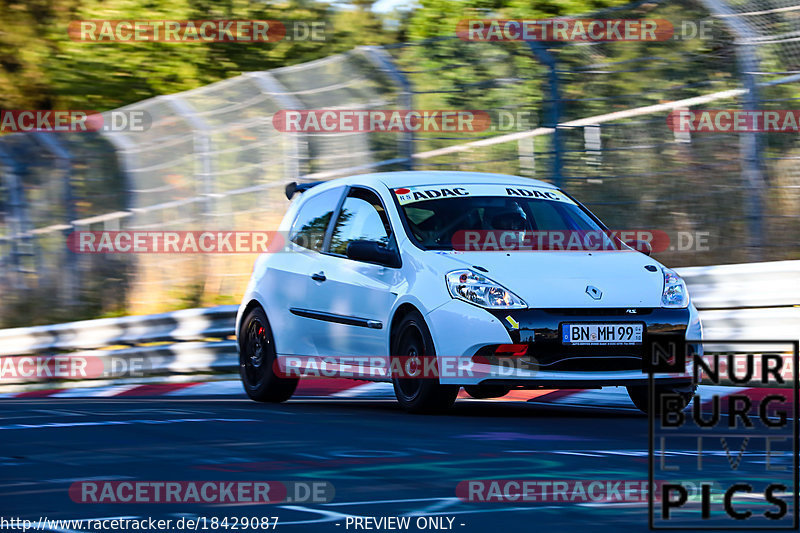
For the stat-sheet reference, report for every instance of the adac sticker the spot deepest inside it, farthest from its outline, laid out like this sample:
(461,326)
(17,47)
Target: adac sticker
(417,194)
(538,192)
(407,195)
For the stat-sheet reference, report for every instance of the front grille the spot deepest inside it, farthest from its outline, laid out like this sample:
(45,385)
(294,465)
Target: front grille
(546,352)
(593,364)
(563,363)
(540,329)
(609,311)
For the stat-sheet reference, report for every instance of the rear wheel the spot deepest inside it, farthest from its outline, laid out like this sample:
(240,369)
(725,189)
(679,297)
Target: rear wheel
(413,349)
(640,395)
(258,361)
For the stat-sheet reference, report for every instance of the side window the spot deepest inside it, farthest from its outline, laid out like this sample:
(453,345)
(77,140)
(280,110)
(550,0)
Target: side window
(362,217)
(308,229)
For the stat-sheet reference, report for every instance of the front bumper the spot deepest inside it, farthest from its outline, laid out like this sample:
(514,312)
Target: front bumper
(549,363)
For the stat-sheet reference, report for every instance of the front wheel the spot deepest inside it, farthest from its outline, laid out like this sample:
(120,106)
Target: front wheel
(640,396)
(415,389)
(258,361)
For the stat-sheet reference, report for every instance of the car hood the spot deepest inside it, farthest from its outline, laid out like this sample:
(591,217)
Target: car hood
(563,279)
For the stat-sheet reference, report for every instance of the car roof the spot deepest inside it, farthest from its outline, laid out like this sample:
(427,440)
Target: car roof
(416,178)
(436,177)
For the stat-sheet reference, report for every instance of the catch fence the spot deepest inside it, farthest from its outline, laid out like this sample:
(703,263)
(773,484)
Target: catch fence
(588,116)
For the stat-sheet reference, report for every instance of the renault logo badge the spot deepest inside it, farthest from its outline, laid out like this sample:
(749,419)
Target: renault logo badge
(594,292)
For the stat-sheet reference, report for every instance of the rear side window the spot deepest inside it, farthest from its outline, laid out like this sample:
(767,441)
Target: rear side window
(308,229)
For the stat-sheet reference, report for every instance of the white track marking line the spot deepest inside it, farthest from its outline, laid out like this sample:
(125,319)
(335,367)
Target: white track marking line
(707,391)
(210,387)
(380,389)
(434,508)
(378,502)
(56,425)
(327,516)
(612,397)
(93,392)
(578,453)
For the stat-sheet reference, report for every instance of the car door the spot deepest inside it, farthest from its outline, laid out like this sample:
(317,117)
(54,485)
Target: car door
(356,297)
(289,282)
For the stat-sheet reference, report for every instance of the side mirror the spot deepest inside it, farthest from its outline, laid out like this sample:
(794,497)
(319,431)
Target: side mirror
(640,246)
(372,252)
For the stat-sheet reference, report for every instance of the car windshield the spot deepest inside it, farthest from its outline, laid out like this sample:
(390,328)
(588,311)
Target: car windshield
(453,217)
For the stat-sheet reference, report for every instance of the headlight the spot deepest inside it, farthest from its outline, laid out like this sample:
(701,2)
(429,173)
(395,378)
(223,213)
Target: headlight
(479,290)
(675,292)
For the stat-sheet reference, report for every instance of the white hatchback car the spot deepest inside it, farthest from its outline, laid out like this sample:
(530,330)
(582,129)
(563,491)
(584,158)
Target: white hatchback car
(414,267)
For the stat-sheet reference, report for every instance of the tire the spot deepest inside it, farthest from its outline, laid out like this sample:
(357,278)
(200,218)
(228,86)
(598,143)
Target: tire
(257,361)
(640,396)
(425,394)
(481,392)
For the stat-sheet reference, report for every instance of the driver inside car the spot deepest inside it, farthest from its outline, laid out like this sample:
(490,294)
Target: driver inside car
(512,218)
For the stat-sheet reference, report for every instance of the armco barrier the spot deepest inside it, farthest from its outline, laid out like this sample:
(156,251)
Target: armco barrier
(745,285)
(757,301)
(186,325)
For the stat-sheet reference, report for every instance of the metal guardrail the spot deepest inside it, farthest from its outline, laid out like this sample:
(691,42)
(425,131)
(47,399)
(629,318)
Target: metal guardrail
(744,285)
(179,326)
(757,301)
(747,301)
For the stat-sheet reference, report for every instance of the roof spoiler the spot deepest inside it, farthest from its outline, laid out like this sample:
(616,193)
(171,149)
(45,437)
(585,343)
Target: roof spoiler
(295,187)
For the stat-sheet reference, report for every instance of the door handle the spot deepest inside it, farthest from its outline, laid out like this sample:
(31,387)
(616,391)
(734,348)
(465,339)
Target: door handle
(319,276)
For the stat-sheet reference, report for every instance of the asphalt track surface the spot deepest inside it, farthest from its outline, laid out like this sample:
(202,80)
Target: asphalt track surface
(381,461)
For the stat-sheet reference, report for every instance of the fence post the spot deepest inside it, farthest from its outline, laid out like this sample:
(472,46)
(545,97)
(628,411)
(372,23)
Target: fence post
(549,60)
(380,58)
(62,154)
(202,147)
(19,228)
(274,89)
(122,147)
(749,143)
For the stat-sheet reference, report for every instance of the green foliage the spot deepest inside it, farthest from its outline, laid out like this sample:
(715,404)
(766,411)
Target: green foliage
(42,68)
(439,17)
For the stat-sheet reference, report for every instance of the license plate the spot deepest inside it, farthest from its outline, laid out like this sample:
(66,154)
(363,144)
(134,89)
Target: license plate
(602,333)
